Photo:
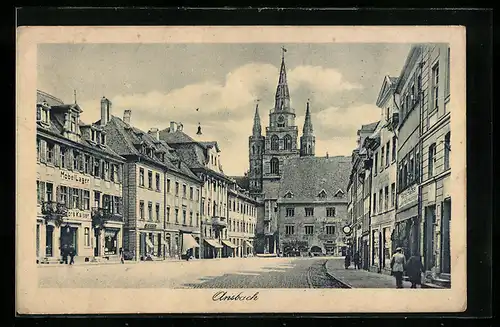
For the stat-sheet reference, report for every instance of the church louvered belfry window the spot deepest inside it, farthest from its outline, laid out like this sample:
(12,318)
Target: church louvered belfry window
(275,166)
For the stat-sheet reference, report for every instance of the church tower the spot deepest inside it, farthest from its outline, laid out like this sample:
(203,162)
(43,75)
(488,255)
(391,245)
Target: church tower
(307,140)
(256,148)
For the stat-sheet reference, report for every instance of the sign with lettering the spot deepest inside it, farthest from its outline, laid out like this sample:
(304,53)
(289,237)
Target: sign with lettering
(150,226)
(408,196)
(78,214)
(75,177)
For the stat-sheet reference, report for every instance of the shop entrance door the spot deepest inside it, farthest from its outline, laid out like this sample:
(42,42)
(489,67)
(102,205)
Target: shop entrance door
(49,236)
(69,238)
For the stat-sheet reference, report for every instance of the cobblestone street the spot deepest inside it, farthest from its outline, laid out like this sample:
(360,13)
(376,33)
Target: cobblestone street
(219,273)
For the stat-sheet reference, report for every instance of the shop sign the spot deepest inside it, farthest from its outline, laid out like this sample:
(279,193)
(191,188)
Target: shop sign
(78,214)
(150,226)
(408,196)
(68,176)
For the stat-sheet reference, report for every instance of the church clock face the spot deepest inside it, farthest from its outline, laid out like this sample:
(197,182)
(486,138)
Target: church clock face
(281,119)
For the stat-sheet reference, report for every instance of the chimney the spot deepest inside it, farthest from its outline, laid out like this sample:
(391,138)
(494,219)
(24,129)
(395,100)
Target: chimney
(126,116)
(155,133)
(173,126)
(105,111)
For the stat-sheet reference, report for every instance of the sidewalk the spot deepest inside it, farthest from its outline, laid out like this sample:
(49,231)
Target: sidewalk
(360,278)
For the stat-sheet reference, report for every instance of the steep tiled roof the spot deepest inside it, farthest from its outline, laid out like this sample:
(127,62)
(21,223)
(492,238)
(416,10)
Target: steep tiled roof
(177,137)
(306,177)
(241,181)
(51,100)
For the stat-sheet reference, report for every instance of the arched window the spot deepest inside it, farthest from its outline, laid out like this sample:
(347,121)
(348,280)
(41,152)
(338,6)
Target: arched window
(288,142)
(275,166)
(275,143)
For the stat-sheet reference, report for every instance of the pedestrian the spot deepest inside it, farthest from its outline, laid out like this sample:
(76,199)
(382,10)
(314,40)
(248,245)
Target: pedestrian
(398,262)
(347,261)
(188,254)
(414,269)
(72,255)
(356,260)
(122,259)
(64,253)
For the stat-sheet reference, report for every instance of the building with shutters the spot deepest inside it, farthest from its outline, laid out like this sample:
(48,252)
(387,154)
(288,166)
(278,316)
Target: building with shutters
(161,193)
(312,214)
(79,185)
(242,221)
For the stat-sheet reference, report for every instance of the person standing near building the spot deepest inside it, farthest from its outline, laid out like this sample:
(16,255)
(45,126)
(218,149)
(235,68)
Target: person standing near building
(414,270)
(398,262)
(122,259)
(347,261)
(64,253)
(357,263)
(72,255)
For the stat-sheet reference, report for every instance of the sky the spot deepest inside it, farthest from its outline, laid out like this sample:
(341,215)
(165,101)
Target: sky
(161,83)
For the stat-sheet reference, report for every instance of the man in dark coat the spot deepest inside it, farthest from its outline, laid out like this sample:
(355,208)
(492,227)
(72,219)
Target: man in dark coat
(72,252)
(347,261)
(414,269)
(357,263)
(65,253)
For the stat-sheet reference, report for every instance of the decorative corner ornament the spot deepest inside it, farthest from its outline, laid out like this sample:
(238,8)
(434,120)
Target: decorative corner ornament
(346,230)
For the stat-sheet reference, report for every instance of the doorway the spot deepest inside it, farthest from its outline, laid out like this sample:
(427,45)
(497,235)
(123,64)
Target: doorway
(69,238)
(49,237)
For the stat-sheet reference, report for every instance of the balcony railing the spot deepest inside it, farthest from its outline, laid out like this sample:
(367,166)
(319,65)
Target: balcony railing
(51,208)
(102,215)
(219,221)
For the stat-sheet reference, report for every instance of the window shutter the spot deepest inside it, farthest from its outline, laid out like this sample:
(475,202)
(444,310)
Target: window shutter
(43,151)
(56,155)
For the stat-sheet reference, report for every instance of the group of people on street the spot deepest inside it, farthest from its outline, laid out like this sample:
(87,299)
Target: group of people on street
(399,265)
(68,251)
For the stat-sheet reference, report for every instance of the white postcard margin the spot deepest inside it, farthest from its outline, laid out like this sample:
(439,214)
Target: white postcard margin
(30,299)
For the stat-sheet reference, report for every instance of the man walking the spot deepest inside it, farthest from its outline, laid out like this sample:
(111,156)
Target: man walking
(357,264)
(72,255)
(414,269)
(398,262)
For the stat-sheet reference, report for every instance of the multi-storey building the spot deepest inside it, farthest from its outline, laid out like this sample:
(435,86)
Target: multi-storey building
(79,184)
(436,169)
(161,194)
(242,219)
(311,216)
(203,158)
(382,147)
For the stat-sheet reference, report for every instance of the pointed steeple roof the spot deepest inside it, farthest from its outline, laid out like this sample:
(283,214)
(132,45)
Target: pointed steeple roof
(282,93)
(308,127)
(257,130)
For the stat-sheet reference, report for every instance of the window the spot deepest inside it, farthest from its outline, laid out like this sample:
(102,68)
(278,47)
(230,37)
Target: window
(158,187)
(197,194)
(288,142)
(289,230)
(63,195)
(380,200)
(374,202)
(75,199)
(49,189)
(330,230)
(177,188)
(106,170)
(405,172)
(73,123)
(393,194)
(309,230)
(432,156)
(330,212)
(387,114)
(386,199)
(375,163)
(86,200)
(382,159)
(197,219)
(40,189)
(394,148)
(106,201)
(76,159)
(50,152)
(447,149)
(150,179)
(176,216)
(190,218)
(117,201)
(191,193)
(168,214)
(290,212)
(275,143)
(97,199)
(97,168)
(184,216)
(141,210)
(411,169)
(150,210)
(87,236)
(157,211)
(62,153)
(275,166)
(417,165)
(400,176)
(92,132)
(168,185)
(435,85)
(86,164)
(184,192)
(387,153)
(141,177)
(309,212)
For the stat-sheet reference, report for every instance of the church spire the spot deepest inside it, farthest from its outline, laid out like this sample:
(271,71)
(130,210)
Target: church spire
(282,93)
(308,127)
(307,140)
(257,130)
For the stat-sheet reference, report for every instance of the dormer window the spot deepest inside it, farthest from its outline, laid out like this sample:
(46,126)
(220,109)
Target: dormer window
(103,139)
(288,195)
(43,114)
(322,194)
(92,135)
(73,123)
(339,193)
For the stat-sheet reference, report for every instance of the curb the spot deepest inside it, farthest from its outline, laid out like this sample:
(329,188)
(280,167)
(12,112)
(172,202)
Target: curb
(347,285)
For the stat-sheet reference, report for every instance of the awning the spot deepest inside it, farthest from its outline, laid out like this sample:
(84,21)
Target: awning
(229,244)
(248,244)
(214,244)
(188,242)
(149,243)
